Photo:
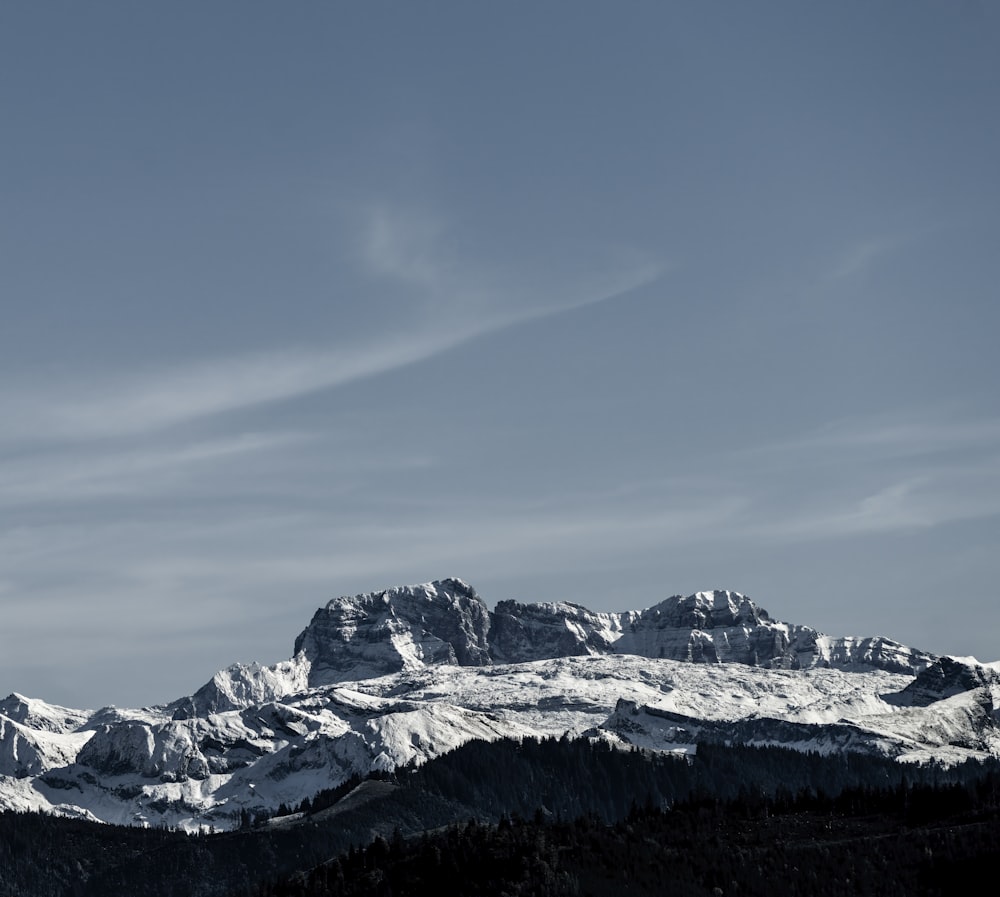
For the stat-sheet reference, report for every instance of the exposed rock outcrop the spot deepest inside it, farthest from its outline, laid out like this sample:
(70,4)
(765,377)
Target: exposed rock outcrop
(945,677)
(525,632)
(447,622)
(379,633)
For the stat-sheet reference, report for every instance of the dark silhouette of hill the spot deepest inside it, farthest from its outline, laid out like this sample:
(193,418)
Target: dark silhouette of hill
(561,817)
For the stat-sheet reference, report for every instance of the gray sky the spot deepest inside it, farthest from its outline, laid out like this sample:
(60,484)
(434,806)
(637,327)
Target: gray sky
(595,302)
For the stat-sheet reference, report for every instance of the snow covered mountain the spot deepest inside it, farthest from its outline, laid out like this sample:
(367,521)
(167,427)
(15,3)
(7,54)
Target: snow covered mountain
(446,622)
(385,678)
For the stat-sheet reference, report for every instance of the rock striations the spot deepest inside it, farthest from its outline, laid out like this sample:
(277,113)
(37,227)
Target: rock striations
(380,633)
(384,632)
(402,675)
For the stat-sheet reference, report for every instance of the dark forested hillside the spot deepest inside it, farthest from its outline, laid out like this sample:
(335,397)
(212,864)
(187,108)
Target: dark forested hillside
(741,805)
(907,840)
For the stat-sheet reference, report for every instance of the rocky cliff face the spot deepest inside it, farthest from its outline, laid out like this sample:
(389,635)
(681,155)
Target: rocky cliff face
(726,627)
(379,633)
(447,622)
(525,632)
(714,627)
(944,678)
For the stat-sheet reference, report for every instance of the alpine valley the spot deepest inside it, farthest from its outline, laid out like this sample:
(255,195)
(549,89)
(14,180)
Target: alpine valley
(396,678)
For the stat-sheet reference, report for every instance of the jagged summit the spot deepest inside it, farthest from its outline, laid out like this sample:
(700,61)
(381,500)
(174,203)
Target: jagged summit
(359,637)
(447,590)
(446,621)
(379,633)
(385,678)
(39,715)
(707,610)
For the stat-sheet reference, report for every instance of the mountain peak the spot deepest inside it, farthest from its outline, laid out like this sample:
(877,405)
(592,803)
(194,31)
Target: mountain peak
(378,633)
(447,622)
(40,715)
(708,610)
(691,667)
(446,590)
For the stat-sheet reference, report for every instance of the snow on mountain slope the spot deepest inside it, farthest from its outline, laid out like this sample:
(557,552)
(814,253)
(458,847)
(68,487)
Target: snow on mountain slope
(41,716)
(447,622)
(383,679)
(244,685)
(26,751)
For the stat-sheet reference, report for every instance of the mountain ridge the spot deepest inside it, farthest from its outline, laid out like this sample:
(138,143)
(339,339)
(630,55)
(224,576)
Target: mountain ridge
(446,621)
(402,675)
(383,632)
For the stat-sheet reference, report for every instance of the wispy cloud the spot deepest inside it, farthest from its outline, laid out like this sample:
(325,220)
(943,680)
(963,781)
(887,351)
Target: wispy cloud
(918,503)
(67,476)
(458,303)
(865,253)
(407,246)
(419,252)
(890,508)
(881,474)
(896,435)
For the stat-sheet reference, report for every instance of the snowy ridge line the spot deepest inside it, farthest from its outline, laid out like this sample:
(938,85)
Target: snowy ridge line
(406,674)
